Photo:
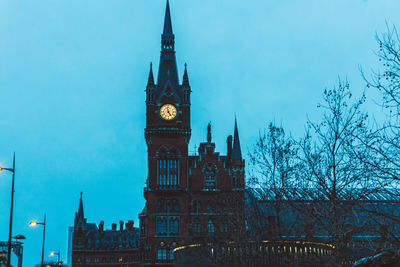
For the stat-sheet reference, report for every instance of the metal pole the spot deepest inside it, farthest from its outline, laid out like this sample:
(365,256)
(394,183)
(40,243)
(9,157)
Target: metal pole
(59,255)
(11,216)
(44,232)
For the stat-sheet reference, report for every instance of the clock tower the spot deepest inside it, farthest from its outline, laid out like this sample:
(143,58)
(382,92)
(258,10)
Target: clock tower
(184,193)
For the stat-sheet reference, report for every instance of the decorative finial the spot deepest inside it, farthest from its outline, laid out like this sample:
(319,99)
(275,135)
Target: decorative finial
(209,133)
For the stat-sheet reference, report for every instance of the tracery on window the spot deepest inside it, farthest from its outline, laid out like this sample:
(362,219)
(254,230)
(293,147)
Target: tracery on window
(210,173)
(161,225)
(168,166)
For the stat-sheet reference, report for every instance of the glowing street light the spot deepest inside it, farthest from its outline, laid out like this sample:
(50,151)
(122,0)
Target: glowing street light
(35,223)
(11,211)
(56,253)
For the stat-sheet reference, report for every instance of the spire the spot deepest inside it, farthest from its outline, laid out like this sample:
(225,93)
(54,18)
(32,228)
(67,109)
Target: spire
(167,21)
(185,82)
(236,151)
(150,82)
(167,38)
(168,71)
(80,210)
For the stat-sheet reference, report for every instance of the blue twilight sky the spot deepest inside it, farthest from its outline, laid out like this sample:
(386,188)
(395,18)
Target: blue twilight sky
(73,74)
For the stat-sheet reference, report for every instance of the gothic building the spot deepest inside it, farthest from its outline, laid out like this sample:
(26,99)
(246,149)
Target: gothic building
(189,198)
(92,245)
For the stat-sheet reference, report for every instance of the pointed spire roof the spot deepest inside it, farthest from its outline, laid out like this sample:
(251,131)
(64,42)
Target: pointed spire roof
(168,71)
(185,82)
(80,210)
(236,150)
(150,81)
(167,21)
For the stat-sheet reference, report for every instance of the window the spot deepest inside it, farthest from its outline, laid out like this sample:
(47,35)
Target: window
(168,172)
(143,226)
(196,226)
(210,227)
(210,171)
(173,205)
(167,224)
(196,206)
(174,225)
(161,205)
(237,178)
(162,254)
(224,227)
(161,225)
(210,207)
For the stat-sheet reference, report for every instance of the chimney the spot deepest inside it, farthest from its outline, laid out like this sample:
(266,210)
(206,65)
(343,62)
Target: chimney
(101,226)
(121,226)
(130,225)
(229,145)
(114,226)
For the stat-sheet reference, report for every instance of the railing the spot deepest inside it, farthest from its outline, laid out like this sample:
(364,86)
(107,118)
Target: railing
(263,253)
(164,188)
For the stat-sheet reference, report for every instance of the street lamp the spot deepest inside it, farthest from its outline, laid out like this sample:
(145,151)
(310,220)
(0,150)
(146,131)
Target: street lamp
(56,253)
(35,223)
(11,210)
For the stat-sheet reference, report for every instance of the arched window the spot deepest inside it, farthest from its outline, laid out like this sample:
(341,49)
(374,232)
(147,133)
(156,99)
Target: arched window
(168,167)
(174,225)
(161,225)
(210,173)
(162,252)
(210,226)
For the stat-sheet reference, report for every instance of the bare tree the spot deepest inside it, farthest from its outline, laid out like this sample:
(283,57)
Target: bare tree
(382,143)
(336,181)
(273,165)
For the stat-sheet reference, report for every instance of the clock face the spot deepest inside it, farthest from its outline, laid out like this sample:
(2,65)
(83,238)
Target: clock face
(168,112)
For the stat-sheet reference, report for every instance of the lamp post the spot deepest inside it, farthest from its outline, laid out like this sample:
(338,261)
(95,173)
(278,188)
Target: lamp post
(34,223)
(11,211)
(56,253)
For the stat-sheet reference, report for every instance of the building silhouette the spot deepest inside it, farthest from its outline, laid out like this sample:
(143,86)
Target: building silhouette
(188,197)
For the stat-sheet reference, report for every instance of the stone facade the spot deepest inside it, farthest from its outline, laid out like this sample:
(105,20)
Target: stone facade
(187,196)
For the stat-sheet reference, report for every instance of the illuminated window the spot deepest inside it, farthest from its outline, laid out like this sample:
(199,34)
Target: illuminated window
(162,254)
(210,227)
